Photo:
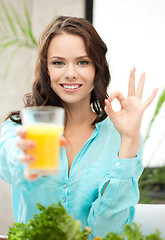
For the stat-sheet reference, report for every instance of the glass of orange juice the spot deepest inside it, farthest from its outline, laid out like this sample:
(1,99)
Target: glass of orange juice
(44,126)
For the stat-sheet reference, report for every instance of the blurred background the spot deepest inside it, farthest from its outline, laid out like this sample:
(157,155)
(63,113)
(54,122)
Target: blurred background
(134,31)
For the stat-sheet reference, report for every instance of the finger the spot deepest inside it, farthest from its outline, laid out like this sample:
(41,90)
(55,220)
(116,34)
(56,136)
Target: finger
(64,141)
(117,95)
(108,109)
(131,85)
(151,98)
(25,144)
(139,91)
(21,132)
(26,159)
(29,176)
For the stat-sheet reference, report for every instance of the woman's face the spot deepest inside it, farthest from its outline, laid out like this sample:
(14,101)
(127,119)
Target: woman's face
(71,71)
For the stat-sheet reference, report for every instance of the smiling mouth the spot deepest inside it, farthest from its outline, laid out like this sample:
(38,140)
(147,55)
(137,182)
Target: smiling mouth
(71,86)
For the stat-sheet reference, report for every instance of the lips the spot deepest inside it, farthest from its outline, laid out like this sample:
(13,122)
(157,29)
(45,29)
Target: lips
(70,87)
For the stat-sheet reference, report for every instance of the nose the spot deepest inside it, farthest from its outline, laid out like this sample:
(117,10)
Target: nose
(71,72)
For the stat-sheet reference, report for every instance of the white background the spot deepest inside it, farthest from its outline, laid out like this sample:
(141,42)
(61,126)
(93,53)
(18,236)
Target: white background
(134,31)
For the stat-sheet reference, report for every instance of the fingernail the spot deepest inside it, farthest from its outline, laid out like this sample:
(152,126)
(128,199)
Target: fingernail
(31,145)
(110,99)
(34,175)
(106,101)
(31,158)
(134,69)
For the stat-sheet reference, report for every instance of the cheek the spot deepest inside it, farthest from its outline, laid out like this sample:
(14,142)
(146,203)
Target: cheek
(54,76)
(88,74)
(91,75)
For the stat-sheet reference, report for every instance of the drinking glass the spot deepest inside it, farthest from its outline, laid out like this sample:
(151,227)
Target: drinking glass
(44,126)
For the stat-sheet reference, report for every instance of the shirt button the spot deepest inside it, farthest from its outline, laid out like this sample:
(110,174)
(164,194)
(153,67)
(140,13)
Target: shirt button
(118,164)
(64,199)
(64,185)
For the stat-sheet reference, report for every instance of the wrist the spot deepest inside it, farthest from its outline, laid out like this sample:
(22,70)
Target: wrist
(129,146)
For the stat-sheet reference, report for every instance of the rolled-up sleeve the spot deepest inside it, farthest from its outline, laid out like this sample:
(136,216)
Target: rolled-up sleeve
(114,207)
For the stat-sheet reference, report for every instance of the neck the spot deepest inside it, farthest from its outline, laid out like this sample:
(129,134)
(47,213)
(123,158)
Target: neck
(78,115)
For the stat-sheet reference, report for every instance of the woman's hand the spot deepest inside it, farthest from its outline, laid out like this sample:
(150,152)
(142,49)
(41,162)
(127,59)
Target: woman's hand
(25,145)
(127,121)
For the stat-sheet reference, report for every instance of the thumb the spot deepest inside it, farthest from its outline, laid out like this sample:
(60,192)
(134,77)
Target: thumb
(108,109)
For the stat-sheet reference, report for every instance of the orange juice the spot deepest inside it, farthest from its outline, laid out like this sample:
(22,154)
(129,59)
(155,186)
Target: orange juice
(47,149)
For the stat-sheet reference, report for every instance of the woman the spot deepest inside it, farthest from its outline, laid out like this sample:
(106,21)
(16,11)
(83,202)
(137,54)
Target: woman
(101,160)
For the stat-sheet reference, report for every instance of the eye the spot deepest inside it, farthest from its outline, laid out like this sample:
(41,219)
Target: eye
(58,63)
(84,62)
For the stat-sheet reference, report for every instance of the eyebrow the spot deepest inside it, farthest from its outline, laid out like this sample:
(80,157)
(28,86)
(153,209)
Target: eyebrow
(61,58)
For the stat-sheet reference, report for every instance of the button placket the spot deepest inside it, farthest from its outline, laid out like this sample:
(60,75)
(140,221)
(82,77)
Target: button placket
(64,187)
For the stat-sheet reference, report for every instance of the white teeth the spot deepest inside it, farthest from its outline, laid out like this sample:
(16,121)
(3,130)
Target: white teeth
(71,86)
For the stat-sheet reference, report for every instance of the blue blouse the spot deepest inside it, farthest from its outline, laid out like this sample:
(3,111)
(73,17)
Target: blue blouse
(81,192)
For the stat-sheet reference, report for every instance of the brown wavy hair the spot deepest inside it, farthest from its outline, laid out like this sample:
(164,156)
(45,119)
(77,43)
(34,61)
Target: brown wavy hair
(42,93)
